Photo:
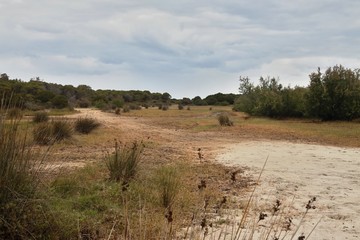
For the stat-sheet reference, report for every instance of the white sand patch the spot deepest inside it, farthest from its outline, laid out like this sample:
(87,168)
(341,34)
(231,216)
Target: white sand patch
(302,171)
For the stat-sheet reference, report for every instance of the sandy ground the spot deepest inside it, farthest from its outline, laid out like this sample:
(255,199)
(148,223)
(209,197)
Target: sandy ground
(303,171)
(295,172)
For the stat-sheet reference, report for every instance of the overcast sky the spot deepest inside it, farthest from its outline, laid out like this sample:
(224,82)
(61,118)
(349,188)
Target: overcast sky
(183,47)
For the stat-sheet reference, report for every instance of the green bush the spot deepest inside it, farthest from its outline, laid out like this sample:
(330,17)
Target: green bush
(124,163)
(86,125)
(224,120)
(41,117)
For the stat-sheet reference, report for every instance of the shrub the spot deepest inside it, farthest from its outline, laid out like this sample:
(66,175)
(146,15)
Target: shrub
(164,107)
(180,107)
(62,130)
(43,134)
(188,108)
(123,164)
(126,109)
(14,113)
(87,125)
(47,133)
(168,184)
(117,111)
(40,117)
(224,120)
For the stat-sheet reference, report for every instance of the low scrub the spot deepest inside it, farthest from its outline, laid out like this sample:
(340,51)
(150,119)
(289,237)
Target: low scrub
(47,133)
(224,120)
(40,116)
(86,125)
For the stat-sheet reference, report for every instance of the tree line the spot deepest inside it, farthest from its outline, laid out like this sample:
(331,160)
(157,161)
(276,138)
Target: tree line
(330,95)
(37,94)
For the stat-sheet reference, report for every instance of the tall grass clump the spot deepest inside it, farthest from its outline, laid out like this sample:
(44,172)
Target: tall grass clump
(123,164)
(62,130)
(86,125)
(22,214)
(168,184)
(224,120)
(46,133)
(14,113)
(40,116)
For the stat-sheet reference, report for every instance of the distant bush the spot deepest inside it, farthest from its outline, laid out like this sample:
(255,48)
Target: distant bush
(86,125)
(134,107)
(165,107)
(126,109)
(41,117)
(188,108)
(13,113)
(117,111)
(224,120)
(180,107)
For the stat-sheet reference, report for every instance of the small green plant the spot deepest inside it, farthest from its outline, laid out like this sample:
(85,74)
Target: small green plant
(168,183)
(224,120)
(123,164)
(40,116)
(86,125)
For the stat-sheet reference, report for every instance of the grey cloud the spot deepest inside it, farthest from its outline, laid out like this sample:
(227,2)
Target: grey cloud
(167,45)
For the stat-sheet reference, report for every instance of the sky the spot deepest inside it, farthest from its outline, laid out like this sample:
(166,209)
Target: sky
(186,48)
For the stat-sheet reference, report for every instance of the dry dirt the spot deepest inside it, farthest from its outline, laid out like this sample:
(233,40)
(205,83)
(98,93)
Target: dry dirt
(295,172)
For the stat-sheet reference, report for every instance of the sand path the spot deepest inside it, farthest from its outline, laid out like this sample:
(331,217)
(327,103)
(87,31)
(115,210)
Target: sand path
(302,171)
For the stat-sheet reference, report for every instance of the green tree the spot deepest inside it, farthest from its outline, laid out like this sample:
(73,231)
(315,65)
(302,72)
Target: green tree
(334,95)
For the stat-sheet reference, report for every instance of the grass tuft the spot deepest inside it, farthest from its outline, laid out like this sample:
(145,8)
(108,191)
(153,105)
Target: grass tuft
(123,164)
(86,125)
(40,116)
(224,120)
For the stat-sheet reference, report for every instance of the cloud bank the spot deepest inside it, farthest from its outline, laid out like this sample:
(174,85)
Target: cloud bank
(186,48)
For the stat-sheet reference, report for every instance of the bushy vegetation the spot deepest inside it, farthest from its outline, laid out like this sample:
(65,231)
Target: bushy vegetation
(334,95)
(40,116)
(22,213)
(46,133)
(224,120)
(86,125)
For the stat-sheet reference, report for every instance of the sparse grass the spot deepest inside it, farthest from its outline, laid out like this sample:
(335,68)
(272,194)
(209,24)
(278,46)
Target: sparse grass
(86,125)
